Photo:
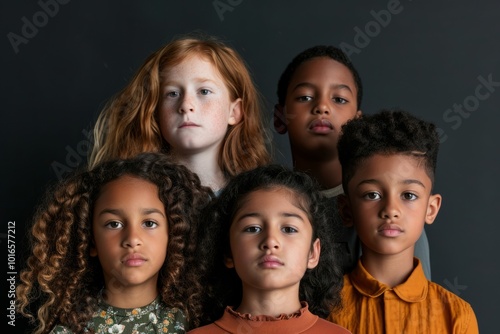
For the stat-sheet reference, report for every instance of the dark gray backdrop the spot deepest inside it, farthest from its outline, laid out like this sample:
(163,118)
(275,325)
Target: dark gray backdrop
(63,60)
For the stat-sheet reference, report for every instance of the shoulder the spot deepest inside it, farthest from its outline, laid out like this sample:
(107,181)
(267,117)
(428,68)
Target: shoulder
(60,330)
(439,294)
(455,307)
(328,327)
(212,328)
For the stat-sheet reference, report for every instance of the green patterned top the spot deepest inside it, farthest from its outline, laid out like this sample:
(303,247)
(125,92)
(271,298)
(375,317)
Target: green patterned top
(153,318)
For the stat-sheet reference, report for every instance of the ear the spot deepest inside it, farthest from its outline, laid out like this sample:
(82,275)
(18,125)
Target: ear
(228,261)
(433,208)
(93,251)
(314,254)
(344,206)
(236,113)
(359,113)
(279,119)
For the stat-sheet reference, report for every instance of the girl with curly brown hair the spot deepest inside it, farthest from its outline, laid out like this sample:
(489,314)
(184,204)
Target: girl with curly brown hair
(110,250)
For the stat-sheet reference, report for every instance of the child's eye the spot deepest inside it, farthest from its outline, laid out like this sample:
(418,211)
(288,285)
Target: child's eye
(173,94)
(372,196)
(289,229)
(205,91)
(410,196)
(114,224)
(304,98)
(150,224)
(339,100)
(252,229)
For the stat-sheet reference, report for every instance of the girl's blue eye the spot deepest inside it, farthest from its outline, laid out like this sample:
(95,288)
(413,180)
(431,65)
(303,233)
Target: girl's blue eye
(173,94)
(204,91)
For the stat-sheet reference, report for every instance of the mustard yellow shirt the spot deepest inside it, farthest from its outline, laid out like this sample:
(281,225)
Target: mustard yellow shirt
(415,306)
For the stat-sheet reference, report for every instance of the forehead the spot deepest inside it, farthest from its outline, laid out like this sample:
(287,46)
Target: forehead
(392,167)
(322,70)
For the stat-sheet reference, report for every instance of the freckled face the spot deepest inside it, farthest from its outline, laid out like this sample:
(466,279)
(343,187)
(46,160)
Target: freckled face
(195,107)
(130,232)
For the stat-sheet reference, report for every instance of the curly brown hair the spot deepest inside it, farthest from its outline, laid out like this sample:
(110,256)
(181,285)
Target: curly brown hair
(128,124)
(63,280)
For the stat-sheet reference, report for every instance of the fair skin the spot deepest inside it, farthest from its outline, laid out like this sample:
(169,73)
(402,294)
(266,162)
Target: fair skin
(131,235)
(195,111)
(320,98)
(271,249)
(389,200)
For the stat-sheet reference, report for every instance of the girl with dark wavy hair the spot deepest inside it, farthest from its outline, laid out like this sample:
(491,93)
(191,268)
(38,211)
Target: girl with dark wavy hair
(110,250)
(267,258)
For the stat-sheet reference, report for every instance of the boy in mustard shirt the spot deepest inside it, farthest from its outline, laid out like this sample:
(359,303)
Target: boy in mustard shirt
(388,166)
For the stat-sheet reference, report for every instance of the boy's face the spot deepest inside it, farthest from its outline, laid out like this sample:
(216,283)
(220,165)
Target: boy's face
(389,200)
(320,98)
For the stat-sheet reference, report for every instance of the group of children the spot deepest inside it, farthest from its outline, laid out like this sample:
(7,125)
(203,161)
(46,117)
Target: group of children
(181,223)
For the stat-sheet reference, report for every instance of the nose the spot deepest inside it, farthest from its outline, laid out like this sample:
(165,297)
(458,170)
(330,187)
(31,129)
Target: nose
(132,237)
(270,240)
(323,106)
(186,104)
(390,209)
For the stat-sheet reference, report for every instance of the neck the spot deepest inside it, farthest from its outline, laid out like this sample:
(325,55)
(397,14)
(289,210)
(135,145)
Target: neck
(206,166)
(328,173)
(390,270)
(270,303)
(130,297)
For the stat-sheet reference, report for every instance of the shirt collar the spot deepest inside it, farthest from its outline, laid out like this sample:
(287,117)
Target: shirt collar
(413,290)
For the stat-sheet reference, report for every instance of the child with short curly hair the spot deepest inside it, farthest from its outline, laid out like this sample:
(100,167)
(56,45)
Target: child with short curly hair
(388,168)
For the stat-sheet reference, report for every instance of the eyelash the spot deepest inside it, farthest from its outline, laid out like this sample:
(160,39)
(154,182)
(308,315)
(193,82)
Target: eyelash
(109,224)
(307,98)
(409,196)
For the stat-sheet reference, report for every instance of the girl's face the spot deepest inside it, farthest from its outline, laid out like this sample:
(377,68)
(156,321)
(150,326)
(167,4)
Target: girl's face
(271,241)
(195,107)
(130,233)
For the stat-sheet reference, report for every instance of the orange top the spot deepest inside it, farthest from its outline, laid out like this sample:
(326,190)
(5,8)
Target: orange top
(303,321)
(415,306)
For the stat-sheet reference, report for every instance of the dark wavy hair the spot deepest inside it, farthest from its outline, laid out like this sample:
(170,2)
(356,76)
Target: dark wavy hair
(387,132)
(64,280)
(320,287)
(315,52)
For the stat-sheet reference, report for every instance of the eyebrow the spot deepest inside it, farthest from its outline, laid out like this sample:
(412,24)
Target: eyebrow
(118,212)
(310,85)
(198,80)
(406,181)
(281,214)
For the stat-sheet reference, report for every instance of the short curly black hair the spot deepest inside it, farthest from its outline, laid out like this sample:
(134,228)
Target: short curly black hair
(320,287)
(315,52)
(387,132)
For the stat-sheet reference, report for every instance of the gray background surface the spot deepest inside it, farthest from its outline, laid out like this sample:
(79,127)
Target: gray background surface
(430,58)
